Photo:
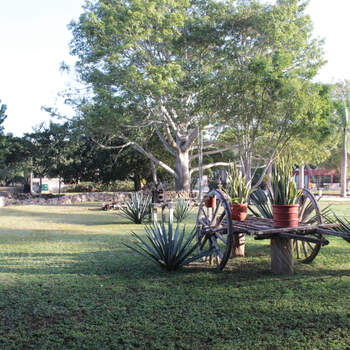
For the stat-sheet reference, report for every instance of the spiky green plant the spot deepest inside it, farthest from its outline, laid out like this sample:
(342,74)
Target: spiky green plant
(283,188)
(182,209)
(137,207)
(263,208)
(237,187)
(262,204)
(167,247)
(343,222)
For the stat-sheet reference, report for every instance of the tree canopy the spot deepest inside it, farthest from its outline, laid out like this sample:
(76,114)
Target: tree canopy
(241,71)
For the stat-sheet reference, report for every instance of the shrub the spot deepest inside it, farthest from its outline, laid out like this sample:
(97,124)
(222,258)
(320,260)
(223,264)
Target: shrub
(167,247)
(137,207)
(116,186)
(182,209)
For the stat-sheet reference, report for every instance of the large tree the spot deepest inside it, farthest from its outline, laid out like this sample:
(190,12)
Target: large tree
(147,63)
(266,97)
(173,67)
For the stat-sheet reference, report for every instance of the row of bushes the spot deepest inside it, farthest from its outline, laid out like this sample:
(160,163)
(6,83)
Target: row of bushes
(116,186)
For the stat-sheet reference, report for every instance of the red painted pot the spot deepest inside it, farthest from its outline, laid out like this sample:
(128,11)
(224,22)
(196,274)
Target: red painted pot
(210,202)
(239,211)
(285,215)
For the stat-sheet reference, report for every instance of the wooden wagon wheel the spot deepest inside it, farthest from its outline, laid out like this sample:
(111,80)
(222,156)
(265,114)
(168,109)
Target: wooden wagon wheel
(309,213)
(214,230)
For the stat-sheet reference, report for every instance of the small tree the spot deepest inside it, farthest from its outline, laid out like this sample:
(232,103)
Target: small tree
(341,94)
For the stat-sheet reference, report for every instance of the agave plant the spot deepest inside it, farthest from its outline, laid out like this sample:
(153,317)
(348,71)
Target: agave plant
(344,224)
(137,208)
(261,201)
(182,209)
(283,187)
(167,247)
(263,208)
(237,187)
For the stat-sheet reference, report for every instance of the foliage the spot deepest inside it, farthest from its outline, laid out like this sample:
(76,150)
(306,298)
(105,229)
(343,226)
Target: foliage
(64,150)
(182,209)
(239,67)
(159,70)
(137,208)
(16,159)
(343,222)
(3,116)
(237,187)
(264,88)
(115,186)
(263,208)
(283,188)
(167,247)
(261,201)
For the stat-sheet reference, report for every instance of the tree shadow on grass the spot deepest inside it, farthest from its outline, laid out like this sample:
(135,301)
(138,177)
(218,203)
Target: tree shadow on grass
(84,219)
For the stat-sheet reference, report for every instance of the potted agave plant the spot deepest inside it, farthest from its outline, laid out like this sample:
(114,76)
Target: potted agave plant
(239,189)
(210,201)
(284,196)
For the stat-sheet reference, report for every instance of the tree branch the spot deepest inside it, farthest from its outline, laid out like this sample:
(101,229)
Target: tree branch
(138,148)
(149,155)
(168,118)
(208,166)
(191,138)
(165,144)
(273,156)
(228,148)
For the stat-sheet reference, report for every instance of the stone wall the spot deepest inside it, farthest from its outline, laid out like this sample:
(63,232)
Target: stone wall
(25,199)
(7,198)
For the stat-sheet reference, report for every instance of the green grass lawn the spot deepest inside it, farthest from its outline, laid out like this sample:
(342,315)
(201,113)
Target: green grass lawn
(67,282)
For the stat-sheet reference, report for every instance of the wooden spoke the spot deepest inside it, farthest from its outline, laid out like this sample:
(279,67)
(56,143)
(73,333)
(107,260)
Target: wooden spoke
(215,213)
(309,213)
(221,237)
(305,249)
(214,230)
(310,245)
(218,250)
(205,214)
(297,248)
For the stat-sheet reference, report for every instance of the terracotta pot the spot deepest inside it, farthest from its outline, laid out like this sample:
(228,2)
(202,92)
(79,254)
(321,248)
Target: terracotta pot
(210,202)
(239,211)
(285,215)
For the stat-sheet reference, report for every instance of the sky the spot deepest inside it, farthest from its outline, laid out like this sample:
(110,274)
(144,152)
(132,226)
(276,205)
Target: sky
(34,40)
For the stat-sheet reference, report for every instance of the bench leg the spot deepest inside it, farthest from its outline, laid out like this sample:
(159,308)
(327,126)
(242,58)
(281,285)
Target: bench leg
(155,215)
(282,261)
(238,246)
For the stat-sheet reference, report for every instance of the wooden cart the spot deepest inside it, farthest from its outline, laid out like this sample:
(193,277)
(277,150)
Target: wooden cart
(226,238)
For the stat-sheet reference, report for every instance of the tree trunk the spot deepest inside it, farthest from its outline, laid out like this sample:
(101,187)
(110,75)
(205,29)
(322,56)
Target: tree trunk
(31,183)
(182,170)
(40,184)
(154,173)
(301,176)
(269,177)
(344,165)
(137,182)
